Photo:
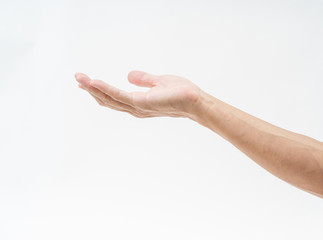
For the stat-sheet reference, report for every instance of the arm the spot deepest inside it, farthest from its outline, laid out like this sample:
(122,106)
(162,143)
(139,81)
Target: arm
(295,158)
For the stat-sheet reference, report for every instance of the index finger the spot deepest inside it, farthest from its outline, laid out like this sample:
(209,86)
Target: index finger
(117,94)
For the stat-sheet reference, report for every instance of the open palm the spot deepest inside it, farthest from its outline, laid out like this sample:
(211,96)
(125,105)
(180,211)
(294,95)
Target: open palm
(168,95)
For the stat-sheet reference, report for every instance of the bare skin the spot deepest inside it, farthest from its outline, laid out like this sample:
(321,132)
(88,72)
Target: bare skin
(294,158)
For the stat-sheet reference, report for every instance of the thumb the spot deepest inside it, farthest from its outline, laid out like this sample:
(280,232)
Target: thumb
(142,79)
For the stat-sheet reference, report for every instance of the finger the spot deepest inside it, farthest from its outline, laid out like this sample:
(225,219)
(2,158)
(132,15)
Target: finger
(132,111)
(107,100)
(95,91)
(142,79)
(100,102)
(83,79)
(113,92)
(86,84)
(108,104)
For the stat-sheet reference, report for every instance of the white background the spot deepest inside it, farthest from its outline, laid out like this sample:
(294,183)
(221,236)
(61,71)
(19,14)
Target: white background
(70,169)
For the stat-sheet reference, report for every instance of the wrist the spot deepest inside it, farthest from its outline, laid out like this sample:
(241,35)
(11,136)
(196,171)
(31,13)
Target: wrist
(207,110)
(199,104)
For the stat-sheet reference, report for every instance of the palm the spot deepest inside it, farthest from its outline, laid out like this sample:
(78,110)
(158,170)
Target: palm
(169,94)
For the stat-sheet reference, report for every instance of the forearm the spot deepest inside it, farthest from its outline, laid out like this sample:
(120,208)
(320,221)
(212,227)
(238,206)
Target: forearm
(293,157)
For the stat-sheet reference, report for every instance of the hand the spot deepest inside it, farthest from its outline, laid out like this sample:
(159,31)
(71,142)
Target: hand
(169,95)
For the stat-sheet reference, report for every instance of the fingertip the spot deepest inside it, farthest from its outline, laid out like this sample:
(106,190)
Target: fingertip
(82,78)
(76,75)
(134,75)
(80,75)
